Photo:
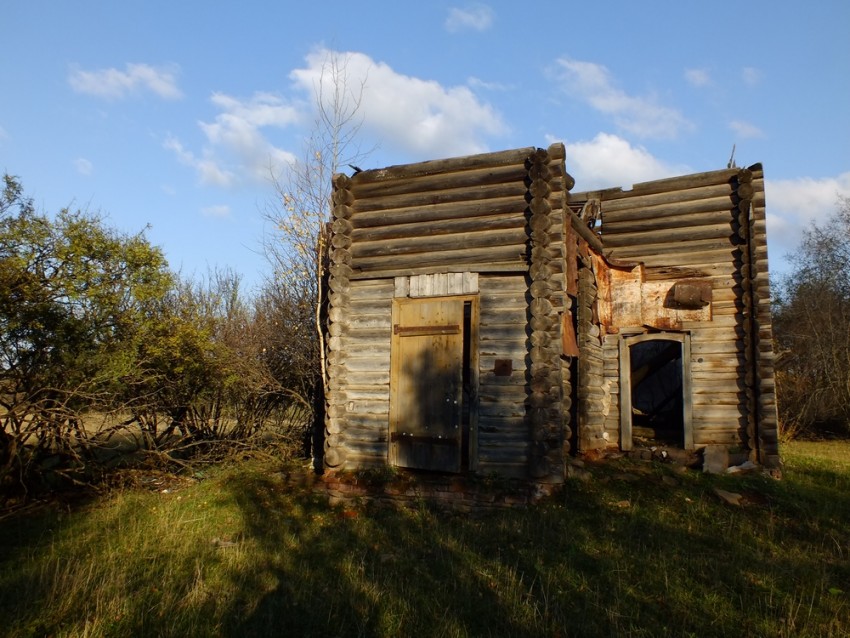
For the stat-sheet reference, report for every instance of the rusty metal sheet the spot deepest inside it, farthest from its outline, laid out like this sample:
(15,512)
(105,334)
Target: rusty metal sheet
(659,310)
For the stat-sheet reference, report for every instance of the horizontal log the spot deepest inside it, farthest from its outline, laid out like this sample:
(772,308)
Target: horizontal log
(738,401)
(696,254)
(504,409)
(512,395)
(492,219)
(669,236)
(371,291)
(362,364)
(513,332)
(488,439)
(730,348)
(632,202)
(715,426)
(661,225)
(389,271)
(680,183)
(373,211)
(671,214)
(447,165)
(407,219)
(407,183)
(359,378)
(515,236)
(512,313)
(376,393)
(495,285)
(484,258)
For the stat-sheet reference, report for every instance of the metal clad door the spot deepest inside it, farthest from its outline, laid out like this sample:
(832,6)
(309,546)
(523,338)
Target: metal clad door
(426,384)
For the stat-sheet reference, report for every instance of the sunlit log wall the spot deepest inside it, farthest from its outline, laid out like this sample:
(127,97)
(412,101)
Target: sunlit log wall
(489,225)
(704,227)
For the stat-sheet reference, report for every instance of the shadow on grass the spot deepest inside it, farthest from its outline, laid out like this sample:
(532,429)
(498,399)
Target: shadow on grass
(609,559)
(637,551)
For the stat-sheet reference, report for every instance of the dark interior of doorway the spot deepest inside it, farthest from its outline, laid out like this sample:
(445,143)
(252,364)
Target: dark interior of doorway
(657,392)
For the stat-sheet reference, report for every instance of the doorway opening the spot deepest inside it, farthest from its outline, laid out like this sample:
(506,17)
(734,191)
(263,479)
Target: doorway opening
(655,390)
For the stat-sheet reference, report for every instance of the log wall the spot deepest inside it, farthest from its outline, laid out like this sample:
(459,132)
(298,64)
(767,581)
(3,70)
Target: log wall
(707,227)
(434,228)
(496,225)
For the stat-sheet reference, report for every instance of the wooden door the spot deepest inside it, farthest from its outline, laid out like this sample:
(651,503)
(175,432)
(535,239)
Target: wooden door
(426,384)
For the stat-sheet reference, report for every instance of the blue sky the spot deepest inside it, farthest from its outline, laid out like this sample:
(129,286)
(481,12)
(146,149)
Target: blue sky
(171,113)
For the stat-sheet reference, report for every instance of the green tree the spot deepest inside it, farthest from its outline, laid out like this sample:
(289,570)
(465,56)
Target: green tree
(812,330)
(76,300)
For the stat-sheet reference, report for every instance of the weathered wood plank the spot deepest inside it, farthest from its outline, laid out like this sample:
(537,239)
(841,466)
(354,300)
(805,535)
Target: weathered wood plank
(514,235)
(693,235)
(364,188)
(443,217)
(447,165)
(673,215)
(484,257)
(467,193)
(711,191)
(681,183)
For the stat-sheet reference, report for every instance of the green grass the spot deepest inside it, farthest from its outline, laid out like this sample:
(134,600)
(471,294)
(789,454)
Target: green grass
(244,552)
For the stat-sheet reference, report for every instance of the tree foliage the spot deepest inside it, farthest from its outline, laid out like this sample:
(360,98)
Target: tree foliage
(76,299)
(812,330)
(101,345)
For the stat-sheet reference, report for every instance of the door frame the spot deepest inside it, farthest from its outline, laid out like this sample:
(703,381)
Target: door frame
(470,340)
(684,338)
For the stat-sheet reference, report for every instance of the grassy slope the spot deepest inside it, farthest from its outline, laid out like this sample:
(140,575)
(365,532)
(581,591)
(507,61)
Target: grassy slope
(244,553)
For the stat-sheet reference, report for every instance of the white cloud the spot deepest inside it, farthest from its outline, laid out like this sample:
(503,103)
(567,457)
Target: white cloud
(745,129)
(697,77)
(642,116)
(608,160)
(208,169)
(3,134)
(796,204)
(418,116)
(237,132)
(750,75)
(221,211)
(83,166)
(115,84)
(236,147)
(478,83)
(475,17)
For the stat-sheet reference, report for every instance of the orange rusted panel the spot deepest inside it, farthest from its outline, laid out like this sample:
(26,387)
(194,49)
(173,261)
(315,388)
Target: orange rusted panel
(660,310)
(569,344)
(619,294)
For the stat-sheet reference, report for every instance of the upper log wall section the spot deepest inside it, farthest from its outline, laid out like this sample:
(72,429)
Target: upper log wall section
(459,214)
(708,226)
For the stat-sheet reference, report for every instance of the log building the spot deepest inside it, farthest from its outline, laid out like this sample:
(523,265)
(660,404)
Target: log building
(481,319)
